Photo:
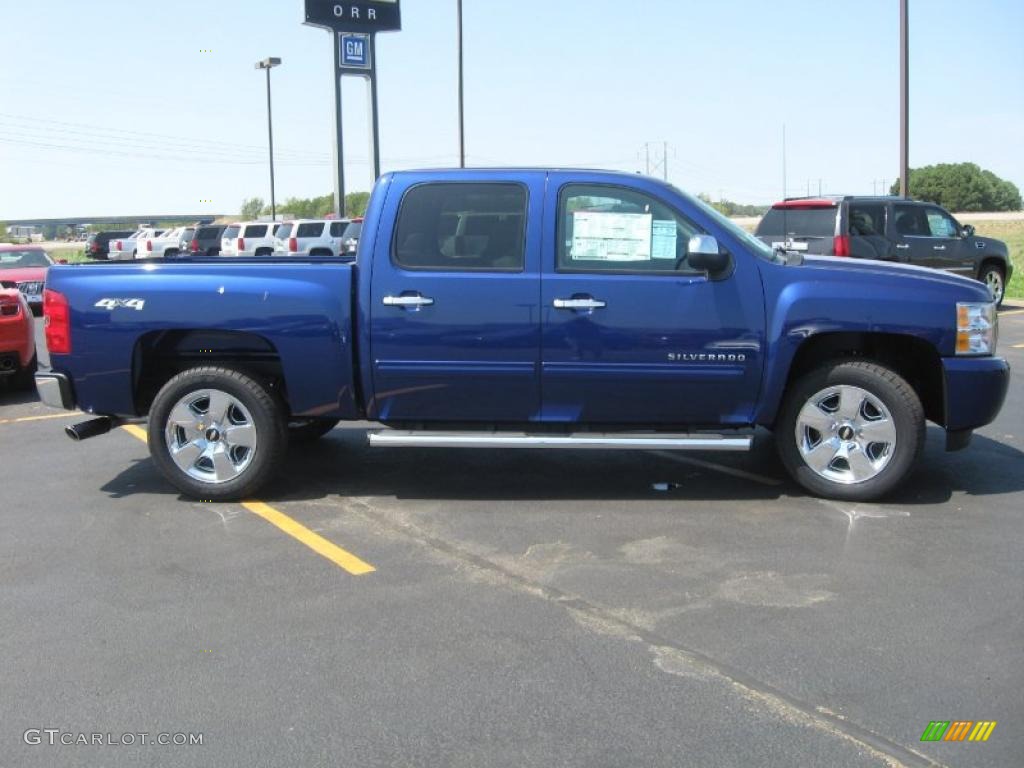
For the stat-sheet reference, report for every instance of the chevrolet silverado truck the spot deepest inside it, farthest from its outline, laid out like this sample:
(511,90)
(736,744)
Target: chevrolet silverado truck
(528,309)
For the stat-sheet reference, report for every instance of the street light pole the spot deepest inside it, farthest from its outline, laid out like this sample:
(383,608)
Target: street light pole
(904,100)
(462,113)
(269,64)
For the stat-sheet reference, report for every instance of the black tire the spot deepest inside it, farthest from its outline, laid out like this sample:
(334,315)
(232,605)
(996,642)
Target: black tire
(268,419)
(996,271)
(882,383)
(308,430)
(25,378)
(264,252)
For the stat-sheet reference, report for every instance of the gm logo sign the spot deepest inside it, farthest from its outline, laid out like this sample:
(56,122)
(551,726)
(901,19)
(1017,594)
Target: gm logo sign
(355,50)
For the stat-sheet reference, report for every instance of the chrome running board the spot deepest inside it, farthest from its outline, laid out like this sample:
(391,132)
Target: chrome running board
(395,438)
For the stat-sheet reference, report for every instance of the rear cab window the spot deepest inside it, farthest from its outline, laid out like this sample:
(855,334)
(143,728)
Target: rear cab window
(231,232)
(256,230)
(353,230)
(462,226)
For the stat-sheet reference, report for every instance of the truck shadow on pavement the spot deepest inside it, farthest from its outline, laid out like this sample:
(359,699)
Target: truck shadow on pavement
(343,465)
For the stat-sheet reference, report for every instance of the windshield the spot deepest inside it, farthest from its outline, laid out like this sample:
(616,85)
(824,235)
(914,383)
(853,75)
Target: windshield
(730,226)
(19,259)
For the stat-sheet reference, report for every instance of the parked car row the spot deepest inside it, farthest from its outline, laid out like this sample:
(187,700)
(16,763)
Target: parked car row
(304,237)
(888,229)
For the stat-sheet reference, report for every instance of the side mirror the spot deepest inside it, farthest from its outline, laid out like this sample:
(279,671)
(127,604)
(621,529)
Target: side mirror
(703,253)
(968,230)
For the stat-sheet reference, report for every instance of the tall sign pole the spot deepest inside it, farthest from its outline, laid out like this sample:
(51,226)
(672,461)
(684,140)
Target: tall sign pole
(904,100)
(354,27)
(462,110)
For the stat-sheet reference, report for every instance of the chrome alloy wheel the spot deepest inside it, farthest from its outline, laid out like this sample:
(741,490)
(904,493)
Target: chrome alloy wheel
(845,434)
(994,281)
(211,436)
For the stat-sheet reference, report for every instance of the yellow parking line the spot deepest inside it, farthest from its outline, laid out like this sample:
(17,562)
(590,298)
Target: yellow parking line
(41,418)
(314,541)
(340,557)
(135,431)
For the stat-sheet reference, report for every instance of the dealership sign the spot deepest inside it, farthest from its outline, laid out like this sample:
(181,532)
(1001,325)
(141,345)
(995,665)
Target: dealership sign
(364,16)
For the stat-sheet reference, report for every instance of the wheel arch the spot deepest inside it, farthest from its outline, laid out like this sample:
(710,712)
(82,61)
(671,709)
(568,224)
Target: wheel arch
(913,358)
(160,355)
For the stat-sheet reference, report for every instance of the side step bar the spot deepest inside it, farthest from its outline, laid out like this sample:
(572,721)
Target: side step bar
(394,438)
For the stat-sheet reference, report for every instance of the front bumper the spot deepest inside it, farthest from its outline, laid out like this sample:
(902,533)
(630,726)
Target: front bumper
(975,390)
(55,390)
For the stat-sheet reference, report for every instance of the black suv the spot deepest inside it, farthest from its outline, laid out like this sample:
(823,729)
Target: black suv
(887,228)
(205,240)
(98,244)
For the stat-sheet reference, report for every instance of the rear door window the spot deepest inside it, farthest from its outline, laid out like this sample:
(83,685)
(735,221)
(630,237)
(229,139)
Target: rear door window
(911,221)
(462,227)
(798,222)
(314,229)
(867,219)
(231,233)
(338,228)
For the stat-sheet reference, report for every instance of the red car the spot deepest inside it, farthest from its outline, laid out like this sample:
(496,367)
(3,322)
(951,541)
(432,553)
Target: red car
(26,265)
(17,338)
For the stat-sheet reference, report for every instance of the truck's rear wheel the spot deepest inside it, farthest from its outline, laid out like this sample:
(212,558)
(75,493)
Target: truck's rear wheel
(216,434)
(850,430)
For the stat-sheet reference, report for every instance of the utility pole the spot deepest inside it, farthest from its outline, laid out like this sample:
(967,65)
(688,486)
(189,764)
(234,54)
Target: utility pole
(647,153)
(819,187)
(664,160)
(904,100)
(462,112)
(783,161)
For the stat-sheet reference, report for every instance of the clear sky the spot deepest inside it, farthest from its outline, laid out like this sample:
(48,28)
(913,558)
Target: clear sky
(114,107)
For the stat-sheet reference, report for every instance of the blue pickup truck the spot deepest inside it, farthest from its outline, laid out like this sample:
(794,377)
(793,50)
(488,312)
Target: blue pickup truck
(528,308)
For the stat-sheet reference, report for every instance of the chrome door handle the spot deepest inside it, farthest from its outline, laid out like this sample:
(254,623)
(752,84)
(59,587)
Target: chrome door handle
(939,247)
(903,247)
(407,301)
(579,304)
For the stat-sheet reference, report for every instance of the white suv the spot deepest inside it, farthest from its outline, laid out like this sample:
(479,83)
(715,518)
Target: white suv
(126,248)
(311,237)
(250,238)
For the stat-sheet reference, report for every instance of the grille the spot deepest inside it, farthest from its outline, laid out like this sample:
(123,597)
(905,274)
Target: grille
(33,288)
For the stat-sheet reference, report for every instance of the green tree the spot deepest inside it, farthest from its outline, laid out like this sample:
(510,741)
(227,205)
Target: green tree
(355,203)
(3,232)
(962,187)
(252,208)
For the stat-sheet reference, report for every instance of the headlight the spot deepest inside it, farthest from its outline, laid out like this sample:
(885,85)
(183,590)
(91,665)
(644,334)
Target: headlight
(977,328)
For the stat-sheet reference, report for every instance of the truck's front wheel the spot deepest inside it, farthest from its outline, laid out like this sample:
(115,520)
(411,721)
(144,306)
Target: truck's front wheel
(850,430)
(216,434)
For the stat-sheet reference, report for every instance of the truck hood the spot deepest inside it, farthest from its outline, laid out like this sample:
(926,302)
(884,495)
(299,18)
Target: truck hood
(892,272)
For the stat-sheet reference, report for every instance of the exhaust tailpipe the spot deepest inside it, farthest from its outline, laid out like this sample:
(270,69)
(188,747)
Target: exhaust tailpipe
(83,430)
(6,364)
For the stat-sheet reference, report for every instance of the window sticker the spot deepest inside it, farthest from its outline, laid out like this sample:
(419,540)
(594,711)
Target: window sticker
(599,236)
(663,240)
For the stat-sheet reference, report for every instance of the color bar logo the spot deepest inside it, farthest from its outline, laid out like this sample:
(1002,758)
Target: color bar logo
(958,730)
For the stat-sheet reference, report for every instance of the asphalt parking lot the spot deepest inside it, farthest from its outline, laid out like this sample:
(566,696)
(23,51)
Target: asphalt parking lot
(512,608)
